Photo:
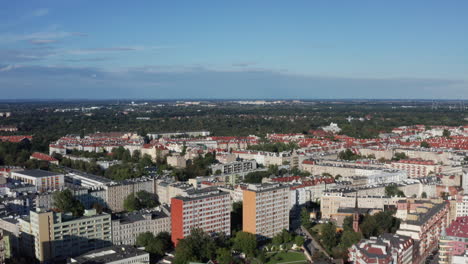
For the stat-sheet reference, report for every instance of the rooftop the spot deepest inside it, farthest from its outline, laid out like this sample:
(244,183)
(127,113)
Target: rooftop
(458,228)
(37,173)
(109,254)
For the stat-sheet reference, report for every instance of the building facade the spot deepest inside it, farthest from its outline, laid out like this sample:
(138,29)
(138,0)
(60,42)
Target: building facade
(423,221)
(208,209)
(57,236)
(113,255)
(454,242)
(417,168)
(43,180)
(266,209)
(127,227)
(234,167)
(385,249)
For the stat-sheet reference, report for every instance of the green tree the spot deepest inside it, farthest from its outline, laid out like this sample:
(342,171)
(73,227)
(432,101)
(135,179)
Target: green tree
(224,256)
(65,202)
(349,238)
(305,217)
(348,155)
(328,236)
(256,176)
(369,227)
(424,144)
(393,190)
(156,245)
(399,156)
(132,203)
(299,241)
(144,239)
(197,247)
(424,195)
(446,133)
(146,199)
(348,223)
(246,243)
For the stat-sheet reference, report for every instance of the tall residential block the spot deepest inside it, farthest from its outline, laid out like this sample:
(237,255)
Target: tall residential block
(208,209)
(57,236)
(266,209)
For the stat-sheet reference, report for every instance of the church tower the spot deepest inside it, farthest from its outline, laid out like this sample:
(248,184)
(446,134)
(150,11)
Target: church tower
(356,216)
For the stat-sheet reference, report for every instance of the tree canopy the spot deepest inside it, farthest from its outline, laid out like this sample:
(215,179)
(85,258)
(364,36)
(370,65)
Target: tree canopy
(65,202)
(142,199)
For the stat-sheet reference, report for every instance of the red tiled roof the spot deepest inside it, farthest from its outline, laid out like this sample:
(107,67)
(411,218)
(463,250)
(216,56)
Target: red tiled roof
(42,156)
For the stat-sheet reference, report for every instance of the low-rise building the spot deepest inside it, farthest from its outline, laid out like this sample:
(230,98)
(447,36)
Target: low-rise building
(416,168)
(331,203)
(176,161)
(113,255)
(385,249)
(127,227)
(43,180)
(234,167)
(44,157)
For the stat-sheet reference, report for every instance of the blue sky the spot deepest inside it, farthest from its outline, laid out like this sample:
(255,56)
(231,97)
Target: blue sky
(234,49)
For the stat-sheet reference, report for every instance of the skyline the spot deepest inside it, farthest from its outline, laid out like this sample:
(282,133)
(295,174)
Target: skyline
(309,50)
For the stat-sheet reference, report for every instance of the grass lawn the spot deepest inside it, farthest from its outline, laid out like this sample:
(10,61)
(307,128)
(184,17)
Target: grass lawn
(317,228)
(286,257)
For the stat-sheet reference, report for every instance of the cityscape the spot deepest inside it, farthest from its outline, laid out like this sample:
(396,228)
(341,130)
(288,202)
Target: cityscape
(246,132)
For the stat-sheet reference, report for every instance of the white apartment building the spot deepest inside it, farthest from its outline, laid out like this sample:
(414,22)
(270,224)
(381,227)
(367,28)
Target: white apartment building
(127,227)
(43,180)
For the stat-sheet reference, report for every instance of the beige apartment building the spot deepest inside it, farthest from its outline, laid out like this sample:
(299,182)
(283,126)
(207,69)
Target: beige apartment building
(266,209)
(117,192)
(331,202)
(56,236)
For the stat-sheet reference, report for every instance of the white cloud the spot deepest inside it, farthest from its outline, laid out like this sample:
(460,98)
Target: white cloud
(40,12)
(9,68)
(42,41)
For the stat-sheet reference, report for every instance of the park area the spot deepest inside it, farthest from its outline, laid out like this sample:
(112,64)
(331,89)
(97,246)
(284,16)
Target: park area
(286,257)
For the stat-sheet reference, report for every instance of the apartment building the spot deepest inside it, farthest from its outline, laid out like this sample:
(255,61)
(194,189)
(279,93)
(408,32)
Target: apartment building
(454,242)
(266,209)
(43,180)
(235,167)
(176,161)
(208,209)
(166,189)
(117,192)
(422,220)
(127,227)
(461,205)
(56,236)
(86,180)
(263,157)
(332,202)
(416,168)
(385,249)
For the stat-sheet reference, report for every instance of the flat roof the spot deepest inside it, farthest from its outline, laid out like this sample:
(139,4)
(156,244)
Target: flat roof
(37,173)
(109,254)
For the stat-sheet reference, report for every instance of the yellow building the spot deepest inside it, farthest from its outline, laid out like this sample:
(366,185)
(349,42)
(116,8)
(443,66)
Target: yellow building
(266,209)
